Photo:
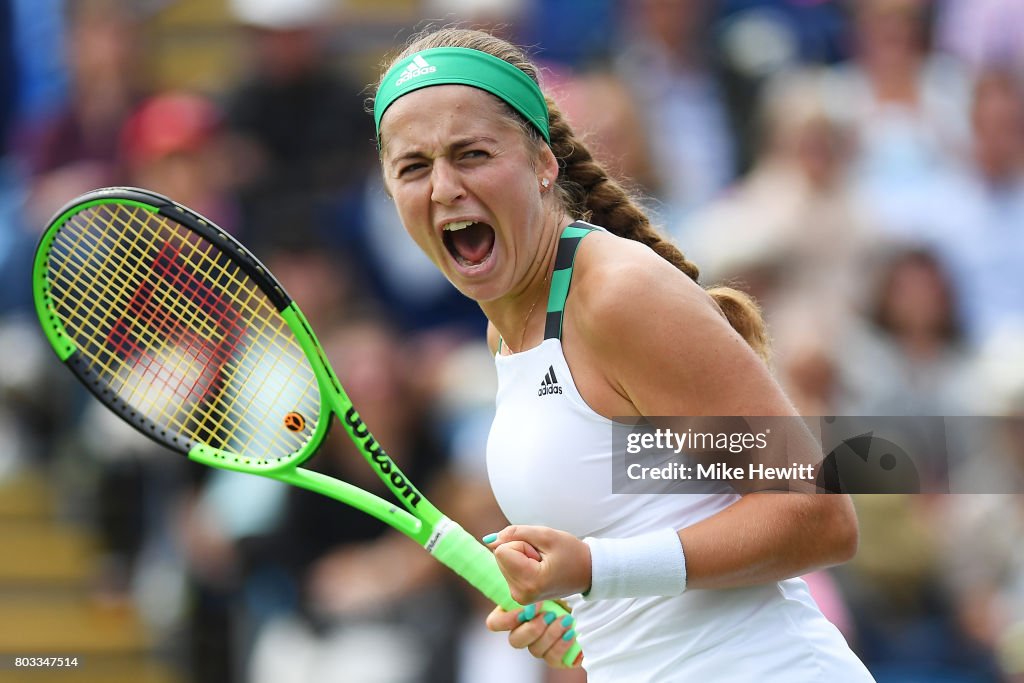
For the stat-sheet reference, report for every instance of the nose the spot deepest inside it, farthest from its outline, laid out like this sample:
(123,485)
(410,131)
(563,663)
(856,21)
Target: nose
(446,185)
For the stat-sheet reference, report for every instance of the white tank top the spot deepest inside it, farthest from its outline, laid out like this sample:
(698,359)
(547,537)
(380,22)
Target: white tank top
(549,458)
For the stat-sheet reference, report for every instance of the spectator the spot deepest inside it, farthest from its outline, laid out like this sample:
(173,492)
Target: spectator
(982,32)
(792,226)
(909,108)
(757,40)
(666,58)
(600,106)
(173,144)
(302,134)
(982,239)
(910,359)
(76,150)
(33,85)
(982,561)
(905,616)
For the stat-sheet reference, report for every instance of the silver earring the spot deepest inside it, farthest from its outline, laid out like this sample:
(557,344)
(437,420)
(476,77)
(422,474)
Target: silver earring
(545,182)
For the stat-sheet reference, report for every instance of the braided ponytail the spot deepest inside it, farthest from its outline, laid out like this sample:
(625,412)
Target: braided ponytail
(591,194)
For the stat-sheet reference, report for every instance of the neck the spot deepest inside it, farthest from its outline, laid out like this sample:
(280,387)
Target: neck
(519,316)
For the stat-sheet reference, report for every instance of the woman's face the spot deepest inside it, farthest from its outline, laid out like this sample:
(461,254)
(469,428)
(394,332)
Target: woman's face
(917,299)
(467,186)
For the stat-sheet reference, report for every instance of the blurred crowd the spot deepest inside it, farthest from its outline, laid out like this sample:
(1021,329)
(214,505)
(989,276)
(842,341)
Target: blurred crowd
(856,165)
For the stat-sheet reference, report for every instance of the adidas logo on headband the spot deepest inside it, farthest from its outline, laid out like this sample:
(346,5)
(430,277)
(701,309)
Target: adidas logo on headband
(417,67)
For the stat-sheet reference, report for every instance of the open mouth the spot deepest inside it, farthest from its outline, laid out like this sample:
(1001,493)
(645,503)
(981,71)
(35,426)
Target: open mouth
(470,243)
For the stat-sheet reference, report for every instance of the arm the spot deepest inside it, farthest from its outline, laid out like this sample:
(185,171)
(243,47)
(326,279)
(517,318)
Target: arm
(683,359)
(765,537)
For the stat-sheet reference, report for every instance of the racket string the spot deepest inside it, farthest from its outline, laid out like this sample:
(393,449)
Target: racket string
(180,332)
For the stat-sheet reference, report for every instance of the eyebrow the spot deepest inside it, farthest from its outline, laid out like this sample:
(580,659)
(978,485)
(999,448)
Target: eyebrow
(457,144)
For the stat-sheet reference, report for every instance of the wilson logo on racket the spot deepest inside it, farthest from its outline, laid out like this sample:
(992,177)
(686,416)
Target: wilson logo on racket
(294,422)
(379,457)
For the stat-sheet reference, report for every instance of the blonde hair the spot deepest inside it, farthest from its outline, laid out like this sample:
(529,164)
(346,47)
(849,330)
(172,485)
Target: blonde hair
(584,186)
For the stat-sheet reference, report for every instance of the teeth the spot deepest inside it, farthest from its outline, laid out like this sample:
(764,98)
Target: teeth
(458,225)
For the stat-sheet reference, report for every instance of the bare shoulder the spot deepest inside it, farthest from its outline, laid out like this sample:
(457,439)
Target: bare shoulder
(660,339)
(618,282)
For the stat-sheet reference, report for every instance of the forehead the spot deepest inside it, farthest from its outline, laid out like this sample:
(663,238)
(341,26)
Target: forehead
(430,116)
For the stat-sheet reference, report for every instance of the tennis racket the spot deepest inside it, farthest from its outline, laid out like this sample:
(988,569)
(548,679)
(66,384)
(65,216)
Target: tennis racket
(178,329)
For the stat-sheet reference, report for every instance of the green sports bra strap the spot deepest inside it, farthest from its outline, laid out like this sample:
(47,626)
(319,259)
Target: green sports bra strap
(561,276)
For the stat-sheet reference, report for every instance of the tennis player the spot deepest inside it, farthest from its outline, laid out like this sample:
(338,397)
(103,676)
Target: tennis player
(492,185)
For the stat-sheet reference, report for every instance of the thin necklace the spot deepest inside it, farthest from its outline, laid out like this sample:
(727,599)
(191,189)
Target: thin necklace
(526,323)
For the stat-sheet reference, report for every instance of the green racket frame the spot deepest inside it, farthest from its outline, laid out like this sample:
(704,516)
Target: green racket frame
(418,518)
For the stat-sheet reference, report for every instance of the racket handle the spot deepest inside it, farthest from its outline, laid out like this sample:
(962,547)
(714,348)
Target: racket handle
(455,548)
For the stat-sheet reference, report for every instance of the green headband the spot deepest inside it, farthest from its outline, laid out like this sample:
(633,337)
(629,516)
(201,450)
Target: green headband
(464,66)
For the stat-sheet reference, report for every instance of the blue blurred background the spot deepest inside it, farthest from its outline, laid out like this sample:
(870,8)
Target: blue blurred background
(858,166)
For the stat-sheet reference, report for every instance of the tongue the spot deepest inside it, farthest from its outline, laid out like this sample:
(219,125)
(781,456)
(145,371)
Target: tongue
(473,243)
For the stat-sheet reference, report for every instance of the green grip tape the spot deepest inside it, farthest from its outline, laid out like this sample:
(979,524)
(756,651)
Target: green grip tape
(467,557)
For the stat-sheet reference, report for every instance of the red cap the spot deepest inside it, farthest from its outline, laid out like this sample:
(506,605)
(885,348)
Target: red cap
(169,123)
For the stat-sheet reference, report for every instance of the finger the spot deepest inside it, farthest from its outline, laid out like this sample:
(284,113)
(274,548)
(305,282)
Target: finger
(503,620)
(537,536)
(529,628)
(553,657)
(521,548)
(505,537)
(551,635)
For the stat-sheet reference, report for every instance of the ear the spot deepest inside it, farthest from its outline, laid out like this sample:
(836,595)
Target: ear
(547,164)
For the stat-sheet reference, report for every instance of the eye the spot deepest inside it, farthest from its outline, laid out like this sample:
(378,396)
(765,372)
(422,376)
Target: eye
(410,168)
(475,154)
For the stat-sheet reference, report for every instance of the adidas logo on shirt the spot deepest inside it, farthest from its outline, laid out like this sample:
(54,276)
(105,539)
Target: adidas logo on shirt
(417,67)
(549,385)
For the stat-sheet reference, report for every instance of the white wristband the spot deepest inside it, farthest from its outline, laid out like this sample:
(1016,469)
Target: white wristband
(645,565)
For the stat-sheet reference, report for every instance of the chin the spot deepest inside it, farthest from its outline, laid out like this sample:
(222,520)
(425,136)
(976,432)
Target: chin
(477,292)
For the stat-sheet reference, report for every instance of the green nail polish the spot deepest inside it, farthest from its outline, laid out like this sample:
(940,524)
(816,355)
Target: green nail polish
(569,634)
(549,617)
(529,612)
(490,538)
(567,620)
